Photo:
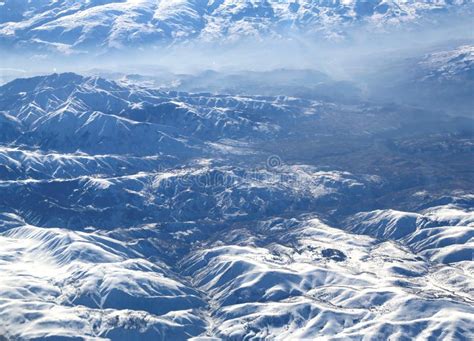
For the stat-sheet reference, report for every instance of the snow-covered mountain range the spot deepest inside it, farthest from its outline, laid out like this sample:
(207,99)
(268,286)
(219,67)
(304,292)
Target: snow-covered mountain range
(236,170)
(131,213)
(71,26)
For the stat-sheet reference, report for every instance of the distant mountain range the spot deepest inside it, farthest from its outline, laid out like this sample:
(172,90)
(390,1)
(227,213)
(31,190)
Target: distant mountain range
(442,79)
(70,26)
